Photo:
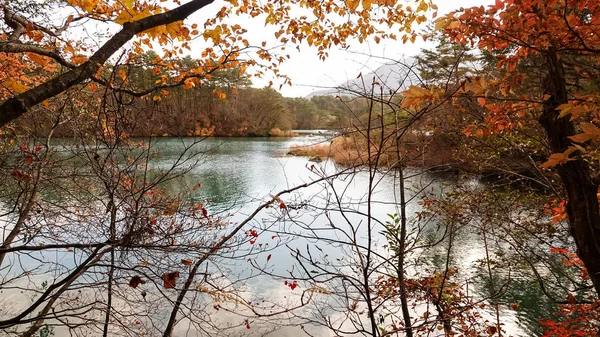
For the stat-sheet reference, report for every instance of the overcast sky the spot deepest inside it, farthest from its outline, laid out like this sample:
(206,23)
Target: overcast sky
(308,73)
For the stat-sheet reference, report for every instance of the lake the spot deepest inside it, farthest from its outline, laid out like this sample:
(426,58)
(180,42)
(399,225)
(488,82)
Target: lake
(236,175)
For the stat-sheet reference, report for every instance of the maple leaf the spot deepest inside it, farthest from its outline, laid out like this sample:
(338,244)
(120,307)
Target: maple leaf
(131,15)
(213,34)
(414,96)
(590,131)
(560,158)
(37,59)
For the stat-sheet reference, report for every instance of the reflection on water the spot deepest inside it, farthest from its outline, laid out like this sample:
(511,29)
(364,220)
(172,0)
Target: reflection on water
(236,174)
(241,171)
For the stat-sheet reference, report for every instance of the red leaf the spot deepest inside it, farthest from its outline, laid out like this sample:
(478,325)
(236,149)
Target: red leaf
(247,325)
(20,175)
(282,206)
(204,212)
(292,285)
(136,281)
(268,257)
(186,262)
(170,279)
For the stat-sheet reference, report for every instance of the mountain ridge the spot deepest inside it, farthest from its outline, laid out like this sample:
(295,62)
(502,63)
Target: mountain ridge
(392,76)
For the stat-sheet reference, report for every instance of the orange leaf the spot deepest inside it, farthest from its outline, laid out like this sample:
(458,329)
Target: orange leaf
(122,74)
(581,138)
(79,59)
(555,159)
(37,59)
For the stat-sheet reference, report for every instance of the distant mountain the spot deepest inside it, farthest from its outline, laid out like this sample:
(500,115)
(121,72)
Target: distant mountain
(391,76)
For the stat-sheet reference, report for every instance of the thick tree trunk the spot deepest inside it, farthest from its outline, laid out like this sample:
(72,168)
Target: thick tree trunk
(576,176)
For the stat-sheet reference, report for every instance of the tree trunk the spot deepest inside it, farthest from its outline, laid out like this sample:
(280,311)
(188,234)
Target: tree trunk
(576,176)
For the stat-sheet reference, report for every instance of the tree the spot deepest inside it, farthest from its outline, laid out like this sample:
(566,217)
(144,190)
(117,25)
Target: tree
(123,232)
(27,39)
(447,63)
(554,31)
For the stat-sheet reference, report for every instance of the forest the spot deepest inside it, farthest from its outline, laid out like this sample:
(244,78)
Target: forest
(150,188)
(223,105)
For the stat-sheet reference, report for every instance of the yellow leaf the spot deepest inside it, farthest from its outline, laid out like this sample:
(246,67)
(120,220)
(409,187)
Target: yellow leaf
(367,4)
(440,23)
(422,7)
(14,86)
(564,109)
(352,5)
(128,3)
(174,29)
(130,15)
(86,5)
(213,34)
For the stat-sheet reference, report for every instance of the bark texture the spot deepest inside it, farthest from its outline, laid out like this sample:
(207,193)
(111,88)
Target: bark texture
(576,175)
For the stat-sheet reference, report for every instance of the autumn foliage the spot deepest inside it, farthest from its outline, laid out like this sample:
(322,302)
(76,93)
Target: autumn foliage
(536,96)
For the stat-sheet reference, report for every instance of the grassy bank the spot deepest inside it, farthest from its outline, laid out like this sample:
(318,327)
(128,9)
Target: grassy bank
(419,150)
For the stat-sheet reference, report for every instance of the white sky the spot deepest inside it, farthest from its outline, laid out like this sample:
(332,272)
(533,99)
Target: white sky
(308,73)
